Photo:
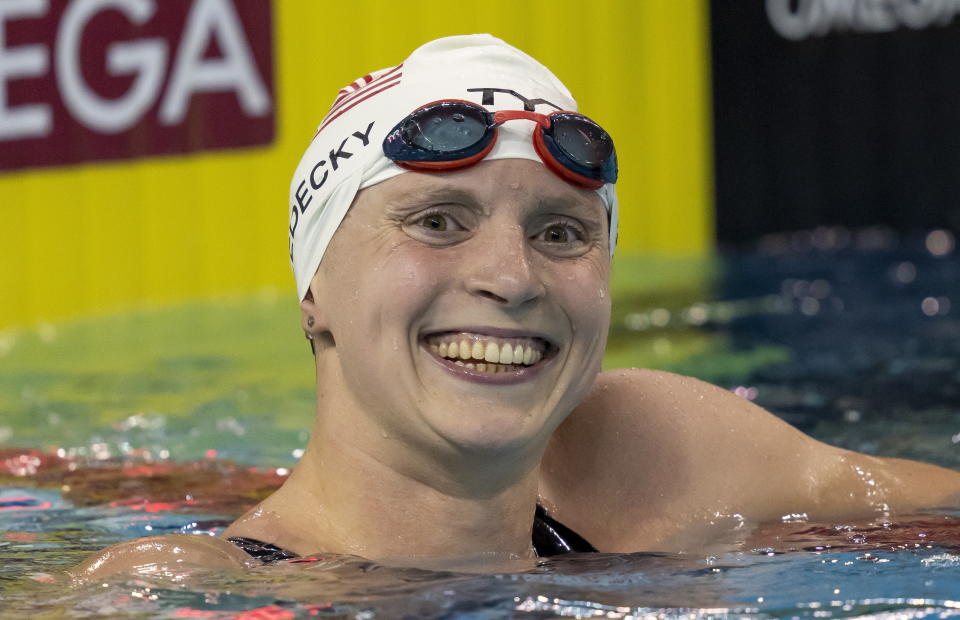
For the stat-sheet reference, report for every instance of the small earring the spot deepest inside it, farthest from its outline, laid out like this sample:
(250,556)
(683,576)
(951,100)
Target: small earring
(309,321)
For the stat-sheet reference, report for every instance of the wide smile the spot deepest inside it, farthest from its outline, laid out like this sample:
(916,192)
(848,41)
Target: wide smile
(490,356)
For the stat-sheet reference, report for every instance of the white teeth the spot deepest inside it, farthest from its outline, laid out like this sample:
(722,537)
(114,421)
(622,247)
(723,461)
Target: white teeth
(506,354)
(493,357)
(484,367)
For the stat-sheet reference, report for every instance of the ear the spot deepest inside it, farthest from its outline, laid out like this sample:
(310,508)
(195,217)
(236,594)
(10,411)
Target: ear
(313,320)
(308,314)
(308,320)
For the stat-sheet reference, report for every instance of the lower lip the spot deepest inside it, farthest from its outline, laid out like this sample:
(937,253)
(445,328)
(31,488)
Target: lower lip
(511,377)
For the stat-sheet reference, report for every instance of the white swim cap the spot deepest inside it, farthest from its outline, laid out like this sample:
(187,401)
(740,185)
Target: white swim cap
(346,154)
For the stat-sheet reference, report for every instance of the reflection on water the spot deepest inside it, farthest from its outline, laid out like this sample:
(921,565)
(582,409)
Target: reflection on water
(872,335)
(823,582)
(175,420)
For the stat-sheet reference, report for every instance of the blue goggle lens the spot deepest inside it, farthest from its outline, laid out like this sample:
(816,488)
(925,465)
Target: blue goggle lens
(445,128)
(581,140)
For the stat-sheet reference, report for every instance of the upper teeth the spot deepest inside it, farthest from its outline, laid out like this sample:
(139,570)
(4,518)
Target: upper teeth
(525,351)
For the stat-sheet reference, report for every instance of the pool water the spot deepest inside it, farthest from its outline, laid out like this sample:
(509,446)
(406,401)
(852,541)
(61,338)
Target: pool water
(169,421)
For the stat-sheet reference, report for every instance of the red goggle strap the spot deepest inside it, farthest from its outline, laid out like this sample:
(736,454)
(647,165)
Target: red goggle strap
(511,115)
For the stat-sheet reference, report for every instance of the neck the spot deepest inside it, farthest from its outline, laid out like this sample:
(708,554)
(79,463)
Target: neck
(362,506)
(379,498)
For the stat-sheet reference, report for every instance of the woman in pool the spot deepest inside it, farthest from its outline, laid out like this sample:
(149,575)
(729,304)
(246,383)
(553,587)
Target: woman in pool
(458,319)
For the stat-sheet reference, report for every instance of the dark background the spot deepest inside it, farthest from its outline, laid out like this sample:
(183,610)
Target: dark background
(847,127)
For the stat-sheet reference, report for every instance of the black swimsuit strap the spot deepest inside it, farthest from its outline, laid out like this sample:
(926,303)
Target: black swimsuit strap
(550,537)
(265,552)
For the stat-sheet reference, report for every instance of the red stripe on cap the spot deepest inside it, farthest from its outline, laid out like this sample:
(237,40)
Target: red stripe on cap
(355,102)
(347,97)
(360,82)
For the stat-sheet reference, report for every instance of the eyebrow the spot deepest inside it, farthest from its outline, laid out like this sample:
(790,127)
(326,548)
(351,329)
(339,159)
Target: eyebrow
(433,193)
(449,192)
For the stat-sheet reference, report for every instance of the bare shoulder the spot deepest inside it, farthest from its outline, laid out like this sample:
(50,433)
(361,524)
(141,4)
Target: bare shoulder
(650,458)
(649,454)
(159,555)
(657,417)
(741,447)
(630,403)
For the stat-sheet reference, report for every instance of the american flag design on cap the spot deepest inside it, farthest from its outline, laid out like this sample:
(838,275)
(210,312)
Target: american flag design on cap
(361,90)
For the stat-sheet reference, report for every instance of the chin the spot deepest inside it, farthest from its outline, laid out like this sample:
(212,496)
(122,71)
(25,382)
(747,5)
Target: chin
(494,431)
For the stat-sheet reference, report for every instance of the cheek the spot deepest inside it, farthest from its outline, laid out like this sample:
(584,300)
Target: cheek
(393,288)
(410,277)
(585,296)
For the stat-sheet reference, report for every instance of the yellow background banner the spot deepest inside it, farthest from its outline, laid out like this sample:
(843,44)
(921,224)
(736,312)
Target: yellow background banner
(91,239)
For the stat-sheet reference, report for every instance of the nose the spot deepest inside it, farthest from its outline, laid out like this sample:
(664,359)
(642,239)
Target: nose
(500,268)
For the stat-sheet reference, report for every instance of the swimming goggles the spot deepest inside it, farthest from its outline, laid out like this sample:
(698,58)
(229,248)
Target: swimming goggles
(452,133)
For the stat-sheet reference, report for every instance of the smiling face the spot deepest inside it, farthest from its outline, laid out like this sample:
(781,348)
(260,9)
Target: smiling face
(466,310)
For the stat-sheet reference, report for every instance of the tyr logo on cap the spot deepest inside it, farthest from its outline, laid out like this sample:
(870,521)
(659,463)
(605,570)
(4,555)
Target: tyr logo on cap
(529,105)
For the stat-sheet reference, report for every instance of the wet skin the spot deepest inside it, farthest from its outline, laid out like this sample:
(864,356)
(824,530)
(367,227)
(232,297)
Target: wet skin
(504,251)
(413,457)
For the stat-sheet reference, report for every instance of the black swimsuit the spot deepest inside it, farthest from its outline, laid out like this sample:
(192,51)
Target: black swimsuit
(550,537)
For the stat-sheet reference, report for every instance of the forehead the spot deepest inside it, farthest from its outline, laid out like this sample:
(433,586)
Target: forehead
(486,184)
